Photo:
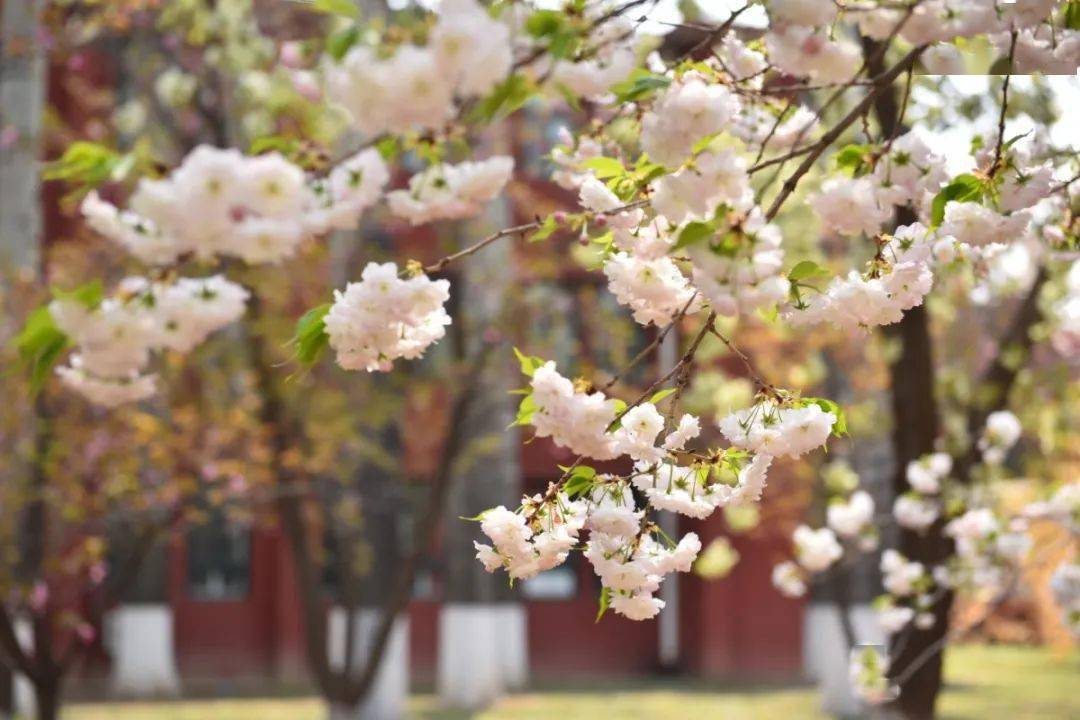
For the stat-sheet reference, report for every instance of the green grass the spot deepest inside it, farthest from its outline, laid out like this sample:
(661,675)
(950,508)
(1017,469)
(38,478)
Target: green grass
(984,683)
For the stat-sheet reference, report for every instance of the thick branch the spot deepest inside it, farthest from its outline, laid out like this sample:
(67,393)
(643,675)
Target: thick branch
(883,83)
(401,592)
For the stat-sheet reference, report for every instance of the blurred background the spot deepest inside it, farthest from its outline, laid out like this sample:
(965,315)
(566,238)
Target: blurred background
(243,535)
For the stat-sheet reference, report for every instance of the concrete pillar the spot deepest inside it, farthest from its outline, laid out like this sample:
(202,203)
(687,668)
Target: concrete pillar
(391,688)
(140,640)
(826,653)
(513,627)
(470,661)
(25,705)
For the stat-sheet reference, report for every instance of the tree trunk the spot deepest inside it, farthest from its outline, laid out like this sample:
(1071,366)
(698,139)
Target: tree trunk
(47,696)
(915,427)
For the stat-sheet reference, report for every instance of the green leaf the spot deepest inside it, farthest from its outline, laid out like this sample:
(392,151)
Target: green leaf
(89,294)
(529,363)
(658,396)
(508,96)
(693,233)
(580,482)
(963,188)
(545,23)
(344,8)
(853,158)
(646,172)
(604,602)
(388,148)
(339,43)
(605,167)
(311,339)
(640,85)
(84,163)
(546,230)
(526,409)
(1071,17)
(805,270)
(39,344)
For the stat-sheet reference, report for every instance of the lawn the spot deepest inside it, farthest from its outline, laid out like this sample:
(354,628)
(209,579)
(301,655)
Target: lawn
(984,683)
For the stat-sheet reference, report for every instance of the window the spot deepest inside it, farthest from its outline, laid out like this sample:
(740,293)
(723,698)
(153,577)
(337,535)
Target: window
(560,583)
(218,560)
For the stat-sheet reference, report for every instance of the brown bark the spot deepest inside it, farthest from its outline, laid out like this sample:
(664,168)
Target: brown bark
(47,696)
(290,512)
(344,688)
(915,418)
(915,427)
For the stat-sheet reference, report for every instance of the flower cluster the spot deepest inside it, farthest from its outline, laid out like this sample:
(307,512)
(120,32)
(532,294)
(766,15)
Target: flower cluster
(115,337)
(853,519)
(384,317)
(868,671)
(623,551)
(449,192)
(816,550)
(414,87)
(778,429)
(849,526)
(696,493)
(526,548)
(910,594)
(689,109)
(654,289)
(739,269)
(851,206)
(1065,585)
(919,508)
(900,576)
(695,190)
(585,422)
(1063,507)
(975,227)
(570,158)
(1001,432)
(812,52)
(632,569)
(223,203)
(988,549)
(903,171)
(610,57)
(789,579)
(898,279)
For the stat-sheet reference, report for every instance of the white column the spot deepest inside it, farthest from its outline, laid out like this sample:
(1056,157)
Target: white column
(513,644)
(390,691)
(140,640)
(470,672)
(826,653)
(25,704)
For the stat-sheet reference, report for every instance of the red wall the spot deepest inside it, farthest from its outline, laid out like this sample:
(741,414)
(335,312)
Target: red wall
(740,626)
